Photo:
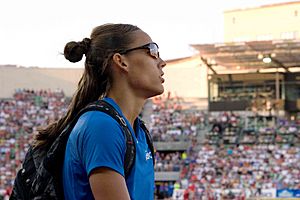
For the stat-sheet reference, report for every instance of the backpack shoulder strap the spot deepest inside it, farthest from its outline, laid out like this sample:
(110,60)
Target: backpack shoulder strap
(22,183)
(105,107)
(149,140)
(52,162)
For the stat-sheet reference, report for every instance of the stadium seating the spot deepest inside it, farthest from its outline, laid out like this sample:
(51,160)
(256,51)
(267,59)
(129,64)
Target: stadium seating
(198,154)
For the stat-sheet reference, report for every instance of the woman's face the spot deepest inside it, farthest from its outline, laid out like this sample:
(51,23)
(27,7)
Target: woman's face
(144,67)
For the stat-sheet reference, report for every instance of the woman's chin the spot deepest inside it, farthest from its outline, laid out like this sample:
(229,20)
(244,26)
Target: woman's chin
(158,92)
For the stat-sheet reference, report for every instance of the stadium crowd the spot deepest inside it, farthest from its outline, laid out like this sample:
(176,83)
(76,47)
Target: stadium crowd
(168,161)
(217,169)
(249,168)
(19,119)
(206,169)
(170,122)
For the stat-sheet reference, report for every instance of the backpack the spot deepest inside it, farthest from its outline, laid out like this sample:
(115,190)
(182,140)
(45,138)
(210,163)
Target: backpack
(41,174)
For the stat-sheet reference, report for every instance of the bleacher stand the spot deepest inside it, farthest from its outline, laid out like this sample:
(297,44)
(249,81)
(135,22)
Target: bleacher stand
(224,160)
(19,119)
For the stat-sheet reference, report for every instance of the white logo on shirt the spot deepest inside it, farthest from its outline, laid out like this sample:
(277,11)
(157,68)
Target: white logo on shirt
(148,155)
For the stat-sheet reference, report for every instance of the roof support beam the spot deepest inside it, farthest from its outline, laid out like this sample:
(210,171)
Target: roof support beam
(208,65)
(280,64)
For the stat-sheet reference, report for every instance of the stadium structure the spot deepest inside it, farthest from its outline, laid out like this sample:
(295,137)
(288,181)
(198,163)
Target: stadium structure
(257,67)
(255,75)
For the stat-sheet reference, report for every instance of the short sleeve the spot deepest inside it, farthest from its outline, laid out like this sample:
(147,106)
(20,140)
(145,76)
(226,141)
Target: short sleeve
(102,143)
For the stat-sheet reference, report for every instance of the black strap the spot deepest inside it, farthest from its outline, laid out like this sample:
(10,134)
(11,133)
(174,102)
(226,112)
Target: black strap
(53,159)
(149,140)
(130,145)
(56,152)
(52,162)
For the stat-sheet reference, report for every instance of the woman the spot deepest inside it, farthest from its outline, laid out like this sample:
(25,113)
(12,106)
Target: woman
(123,67)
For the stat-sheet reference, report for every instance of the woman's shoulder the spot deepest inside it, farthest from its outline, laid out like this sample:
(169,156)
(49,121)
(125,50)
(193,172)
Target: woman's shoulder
(95,121)
(97,117)
(96,124)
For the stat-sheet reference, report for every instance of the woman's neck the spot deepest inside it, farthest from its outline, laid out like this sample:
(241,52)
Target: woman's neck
(130,107)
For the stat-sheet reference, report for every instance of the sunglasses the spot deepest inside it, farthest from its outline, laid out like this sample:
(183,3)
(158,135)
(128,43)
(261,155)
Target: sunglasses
(151,47)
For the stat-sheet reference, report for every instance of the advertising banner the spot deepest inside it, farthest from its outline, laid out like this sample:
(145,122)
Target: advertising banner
(288,193)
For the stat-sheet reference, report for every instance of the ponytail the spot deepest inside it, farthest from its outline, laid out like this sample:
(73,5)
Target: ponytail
(96,79)
(91,87)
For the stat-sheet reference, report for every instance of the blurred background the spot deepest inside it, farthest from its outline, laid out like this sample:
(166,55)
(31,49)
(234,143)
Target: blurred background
(228,123)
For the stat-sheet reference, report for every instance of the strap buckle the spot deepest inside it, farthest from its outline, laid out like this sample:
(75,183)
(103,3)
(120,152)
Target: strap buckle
(122,120)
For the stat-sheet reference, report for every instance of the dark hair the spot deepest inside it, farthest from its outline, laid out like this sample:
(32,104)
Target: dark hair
(95,82)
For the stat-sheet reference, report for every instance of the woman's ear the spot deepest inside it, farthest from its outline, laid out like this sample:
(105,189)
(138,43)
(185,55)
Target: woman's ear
(120,61)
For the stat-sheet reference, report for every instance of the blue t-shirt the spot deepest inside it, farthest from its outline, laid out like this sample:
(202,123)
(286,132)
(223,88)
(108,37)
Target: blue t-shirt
(97,140)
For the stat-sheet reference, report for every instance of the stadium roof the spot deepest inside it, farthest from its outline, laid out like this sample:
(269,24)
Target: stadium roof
(263,6)
(283,54)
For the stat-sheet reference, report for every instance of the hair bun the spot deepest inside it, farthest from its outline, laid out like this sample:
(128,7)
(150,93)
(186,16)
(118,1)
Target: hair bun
(86,43)
(74,50)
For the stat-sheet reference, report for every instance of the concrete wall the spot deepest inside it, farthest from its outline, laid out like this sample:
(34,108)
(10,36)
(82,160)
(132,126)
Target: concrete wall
(12,78)
(186,78)
(270,22)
